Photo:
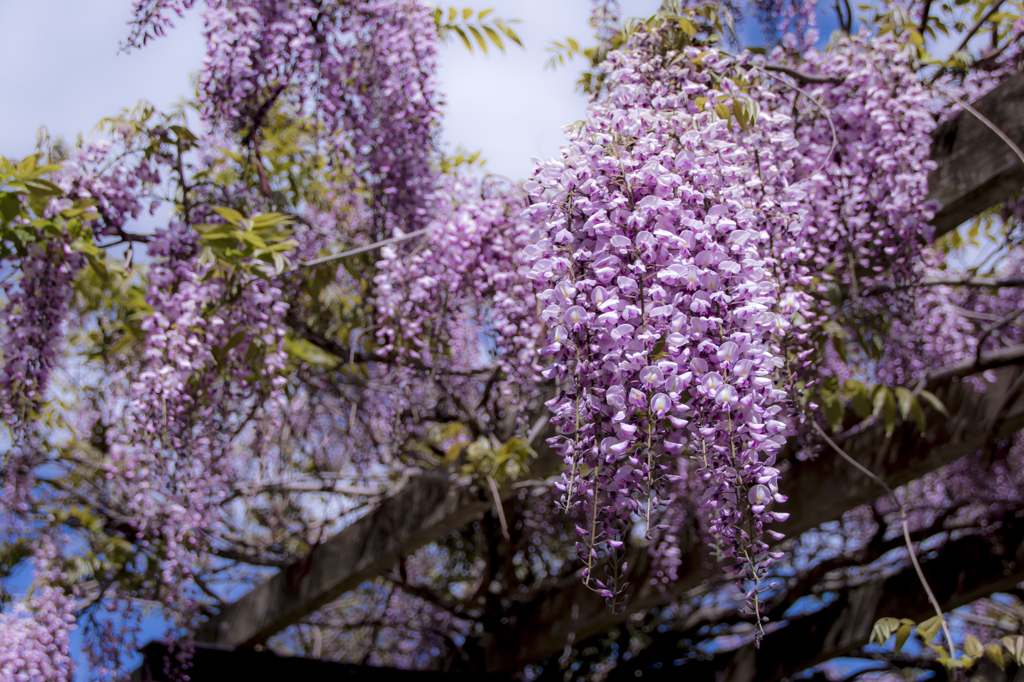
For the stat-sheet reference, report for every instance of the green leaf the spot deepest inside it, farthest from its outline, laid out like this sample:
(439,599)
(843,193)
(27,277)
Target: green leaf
(739,110)
(509,33)
(10,206)
(480,40)
(183,133)
(972,647)
(39,187)
(229,214)
(852,387)
(883,629)
(86,247)
(280,263)
(687,26)
(26,166)
(495,38)
(251,238)
(98,266)
(902,634)
(929,628)
(465,39)
(270,220)
(303,350)
(995,654)
(878,400)
(1015,645)
(934,401)
(833,408)
(483,13)
(918,412)
(905,398)
(722,111)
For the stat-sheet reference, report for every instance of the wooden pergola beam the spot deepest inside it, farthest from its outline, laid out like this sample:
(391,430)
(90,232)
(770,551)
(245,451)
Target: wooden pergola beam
(965,570)
(424,507)
(976,169)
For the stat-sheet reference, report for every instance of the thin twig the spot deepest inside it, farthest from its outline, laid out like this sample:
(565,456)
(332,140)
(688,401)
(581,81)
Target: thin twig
(357,250)
(985,317)
(804,78)
(906,532)
(925,11)
(998,324)
(497,506)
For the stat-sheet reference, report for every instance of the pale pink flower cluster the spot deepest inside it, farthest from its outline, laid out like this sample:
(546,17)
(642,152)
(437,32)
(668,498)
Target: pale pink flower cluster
(35,636)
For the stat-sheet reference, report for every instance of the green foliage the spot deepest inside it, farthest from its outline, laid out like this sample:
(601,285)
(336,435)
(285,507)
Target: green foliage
(458,23)
(886,627)
(504,462)
(301,350)
(1015,647)
(247,244)
(948,20)
(461,158)
(25,194)
(874,400)
(973,649)
(564,51)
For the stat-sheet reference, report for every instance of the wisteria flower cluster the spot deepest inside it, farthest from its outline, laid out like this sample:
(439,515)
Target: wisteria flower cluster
(652,261)
(365,69)
(685,234)
(32,320)
(98,173)
(171,435)
(439,297)
(860,169)
(35,637)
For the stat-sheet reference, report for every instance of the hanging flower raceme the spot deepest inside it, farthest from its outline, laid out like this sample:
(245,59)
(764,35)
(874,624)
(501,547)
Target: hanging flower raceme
(861,164)
(864,145)
(115,179)
(189,394)
(366,70)
(456,300)
(35,636)
(658,290)
(32,326)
